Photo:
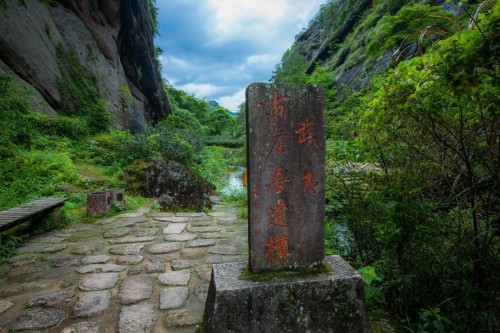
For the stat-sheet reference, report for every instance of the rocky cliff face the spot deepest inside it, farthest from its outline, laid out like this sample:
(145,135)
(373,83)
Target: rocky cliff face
(111,38)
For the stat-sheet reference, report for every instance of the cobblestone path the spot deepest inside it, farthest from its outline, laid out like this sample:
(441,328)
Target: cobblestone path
(136,272)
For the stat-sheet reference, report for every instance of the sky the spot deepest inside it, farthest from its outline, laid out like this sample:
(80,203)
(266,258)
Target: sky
(215,48)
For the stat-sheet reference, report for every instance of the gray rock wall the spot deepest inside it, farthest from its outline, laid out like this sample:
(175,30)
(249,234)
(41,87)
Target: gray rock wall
(112,38)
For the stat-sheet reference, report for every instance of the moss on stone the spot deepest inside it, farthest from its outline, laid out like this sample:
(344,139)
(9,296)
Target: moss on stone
(246,274)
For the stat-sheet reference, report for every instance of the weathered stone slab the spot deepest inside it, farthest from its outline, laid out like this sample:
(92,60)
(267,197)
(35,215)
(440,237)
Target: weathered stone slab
(128,249)
(180,238)
(172,298)
(174,229)
(176,278)
(127,260)
(201,243)
(95,268)
(135,288)
(48,239)
(286,175)
(328,302)
(147,232)
(137,319)
(5,305)
(183,317)
(164,248)
(155,267)
(38,318)
(129,215)
(23,260)
(86,248)
(60,260)
(23,288)
(92,303)
(215,259)
(214,235)
(99,259)
(120,224)
(205,229)
(41,248)
(55,299)
(204,273)
(193,253)
(173,219)
(118,232)
(182,214)
(203,223)
(163,258)
(99,281)
(225,250)
(124,240)
(217,214)
(83,327)
(182,264)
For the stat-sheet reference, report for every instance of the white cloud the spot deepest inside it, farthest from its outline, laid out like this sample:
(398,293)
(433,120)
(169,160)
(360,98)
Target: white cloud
(232,102)
(204,90)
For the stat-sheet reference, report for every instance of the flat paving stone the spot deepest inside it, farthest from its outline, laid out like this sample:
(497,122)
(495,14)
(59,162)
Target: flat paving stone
(172,298)
(205,229)
(214,259)
(38,318)
(135,270)
(86,248)
(83,327)
(176,278)
(147,232)
(163,258)
(173,219)
(193,253)
(164,248)
(124,240)
(99,259)
(180,238)
(99,281)
(60,260)
(135,288)
(174,228)
(120,224)
(137,319)
(127,249)
(160,214)
(118,232)
(183,317)
(182,264)
(56,299)
(203,223)
(215,235)
(218,214)
(41,248)
(155,267)
(128,260)
(92,303)
(134,214)
(47,239)
(204,273)
(24,259)
(201,243)
(202,218)
(95,268)
(225,250)
(5,305)
(22,288)
(182,214)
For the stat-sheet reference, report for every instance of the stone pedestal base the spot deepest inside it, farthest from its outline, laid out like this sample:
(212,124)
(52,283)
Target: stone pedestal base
(332,302)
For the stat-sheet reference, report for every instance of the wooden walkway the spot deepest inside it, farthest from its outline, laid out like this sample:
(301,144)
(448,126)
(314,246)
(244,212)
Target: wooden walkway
(34,209)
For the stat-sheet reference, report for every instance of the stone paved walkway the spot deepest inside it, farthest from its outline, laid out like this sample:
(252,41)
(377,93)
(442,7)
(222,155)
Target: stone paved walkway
(136,272)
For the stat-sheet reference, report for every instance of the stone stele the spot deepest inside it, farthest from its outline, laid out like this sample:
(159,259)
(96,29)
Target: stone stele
(286,175)
(332,302)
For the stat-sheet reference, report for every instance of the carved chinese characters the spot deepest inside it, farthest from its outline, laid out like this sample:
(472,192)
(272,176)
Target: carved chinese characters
(286,176)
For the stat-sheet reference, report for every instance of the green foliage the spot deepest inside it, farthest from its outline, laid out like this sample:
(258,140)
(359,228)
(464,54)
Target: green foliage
(221,122)
(9,245)
(291,69)
(80,95)
(32,174)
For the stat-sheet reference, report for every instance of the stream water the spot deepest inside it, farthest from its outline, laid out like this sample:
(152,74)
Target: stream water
(234,181)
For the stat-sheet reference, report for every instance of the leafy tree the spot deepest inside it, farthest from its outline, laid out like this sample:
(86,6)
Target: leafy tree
(220,121)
